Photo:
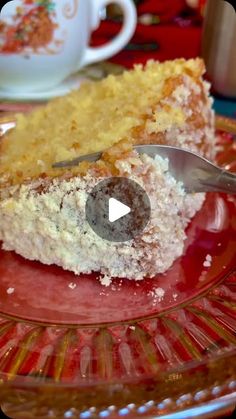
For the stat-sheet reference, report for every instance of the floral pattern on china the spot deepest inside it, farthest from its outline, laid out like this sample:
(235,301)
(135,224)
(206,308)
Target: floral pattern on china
(31,29)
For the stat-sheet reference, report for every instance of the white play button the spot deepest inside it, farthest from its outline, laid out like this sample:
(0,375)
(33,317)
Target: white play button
(117,210)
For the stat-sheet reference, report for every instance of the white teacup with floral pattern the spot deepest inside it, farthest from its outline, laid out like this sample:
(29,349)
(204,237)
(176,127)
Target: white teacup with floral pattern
(42,42)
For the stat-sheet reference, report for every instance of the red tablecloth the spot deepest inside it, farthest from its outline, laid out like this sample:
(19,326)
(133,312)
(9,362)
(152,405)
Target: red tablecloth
(174,31)
(171,41)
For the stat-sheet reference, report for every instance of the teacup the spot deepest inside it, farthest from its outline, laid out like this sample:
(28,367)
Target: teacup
(42,42)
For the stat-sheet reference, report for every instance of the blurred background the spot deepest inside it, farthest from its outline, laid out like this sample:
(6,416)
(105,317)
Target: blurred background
(166,30)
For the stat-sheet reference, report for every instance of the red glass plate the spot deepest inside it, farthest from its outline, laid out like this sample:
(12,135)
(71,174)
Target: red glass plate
(70,347)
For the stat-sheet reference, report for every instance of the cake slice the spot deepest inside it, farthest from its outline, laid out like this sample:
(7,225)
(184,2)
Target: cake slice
(42,209)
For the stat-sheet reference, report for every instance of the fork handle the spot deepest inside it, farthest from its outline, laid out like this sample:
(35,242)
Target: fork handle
(224,182)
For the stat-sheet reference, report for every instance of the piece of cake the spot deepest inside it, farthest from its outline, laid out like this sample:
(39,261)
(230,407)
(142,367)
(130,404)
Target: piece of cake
(42,209)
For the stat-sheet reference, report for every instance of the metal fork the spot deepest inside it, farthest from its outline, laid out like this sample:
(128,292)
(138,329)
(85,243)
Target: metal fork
(195,172)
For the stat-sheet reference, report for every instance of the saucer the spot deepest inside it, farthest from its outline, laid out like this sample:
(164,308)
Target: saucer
(92,72)
(71,83)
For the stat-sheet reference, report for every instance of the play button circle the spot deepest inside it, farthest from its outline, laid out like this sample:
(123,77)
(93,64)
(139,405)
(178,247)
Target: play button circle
(118,209)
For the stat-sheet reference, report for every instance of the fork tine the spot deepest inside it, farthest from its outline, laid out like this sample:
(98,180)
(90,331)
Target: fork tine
(195,172)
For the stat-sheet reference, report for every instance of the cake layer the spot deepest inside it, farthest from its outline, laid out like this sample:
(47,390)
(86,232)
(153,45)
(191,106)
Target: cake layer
(165,103)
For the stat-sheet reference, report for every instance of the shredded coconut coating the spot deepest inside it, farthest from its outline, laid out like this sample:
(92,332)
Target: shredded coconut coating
(47,222)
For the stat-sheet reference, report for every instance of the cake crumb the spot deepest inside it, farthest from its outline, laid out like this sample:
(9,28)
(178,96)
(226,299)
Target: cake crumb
(175,296)
(206,264)
(105,280)
(72,285)
(207,261)
(159,292)
(132,327)
(10,290)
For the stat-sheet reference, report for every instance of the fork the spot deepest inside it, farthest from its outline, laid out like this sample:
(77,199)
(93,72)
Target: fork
(195,172)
